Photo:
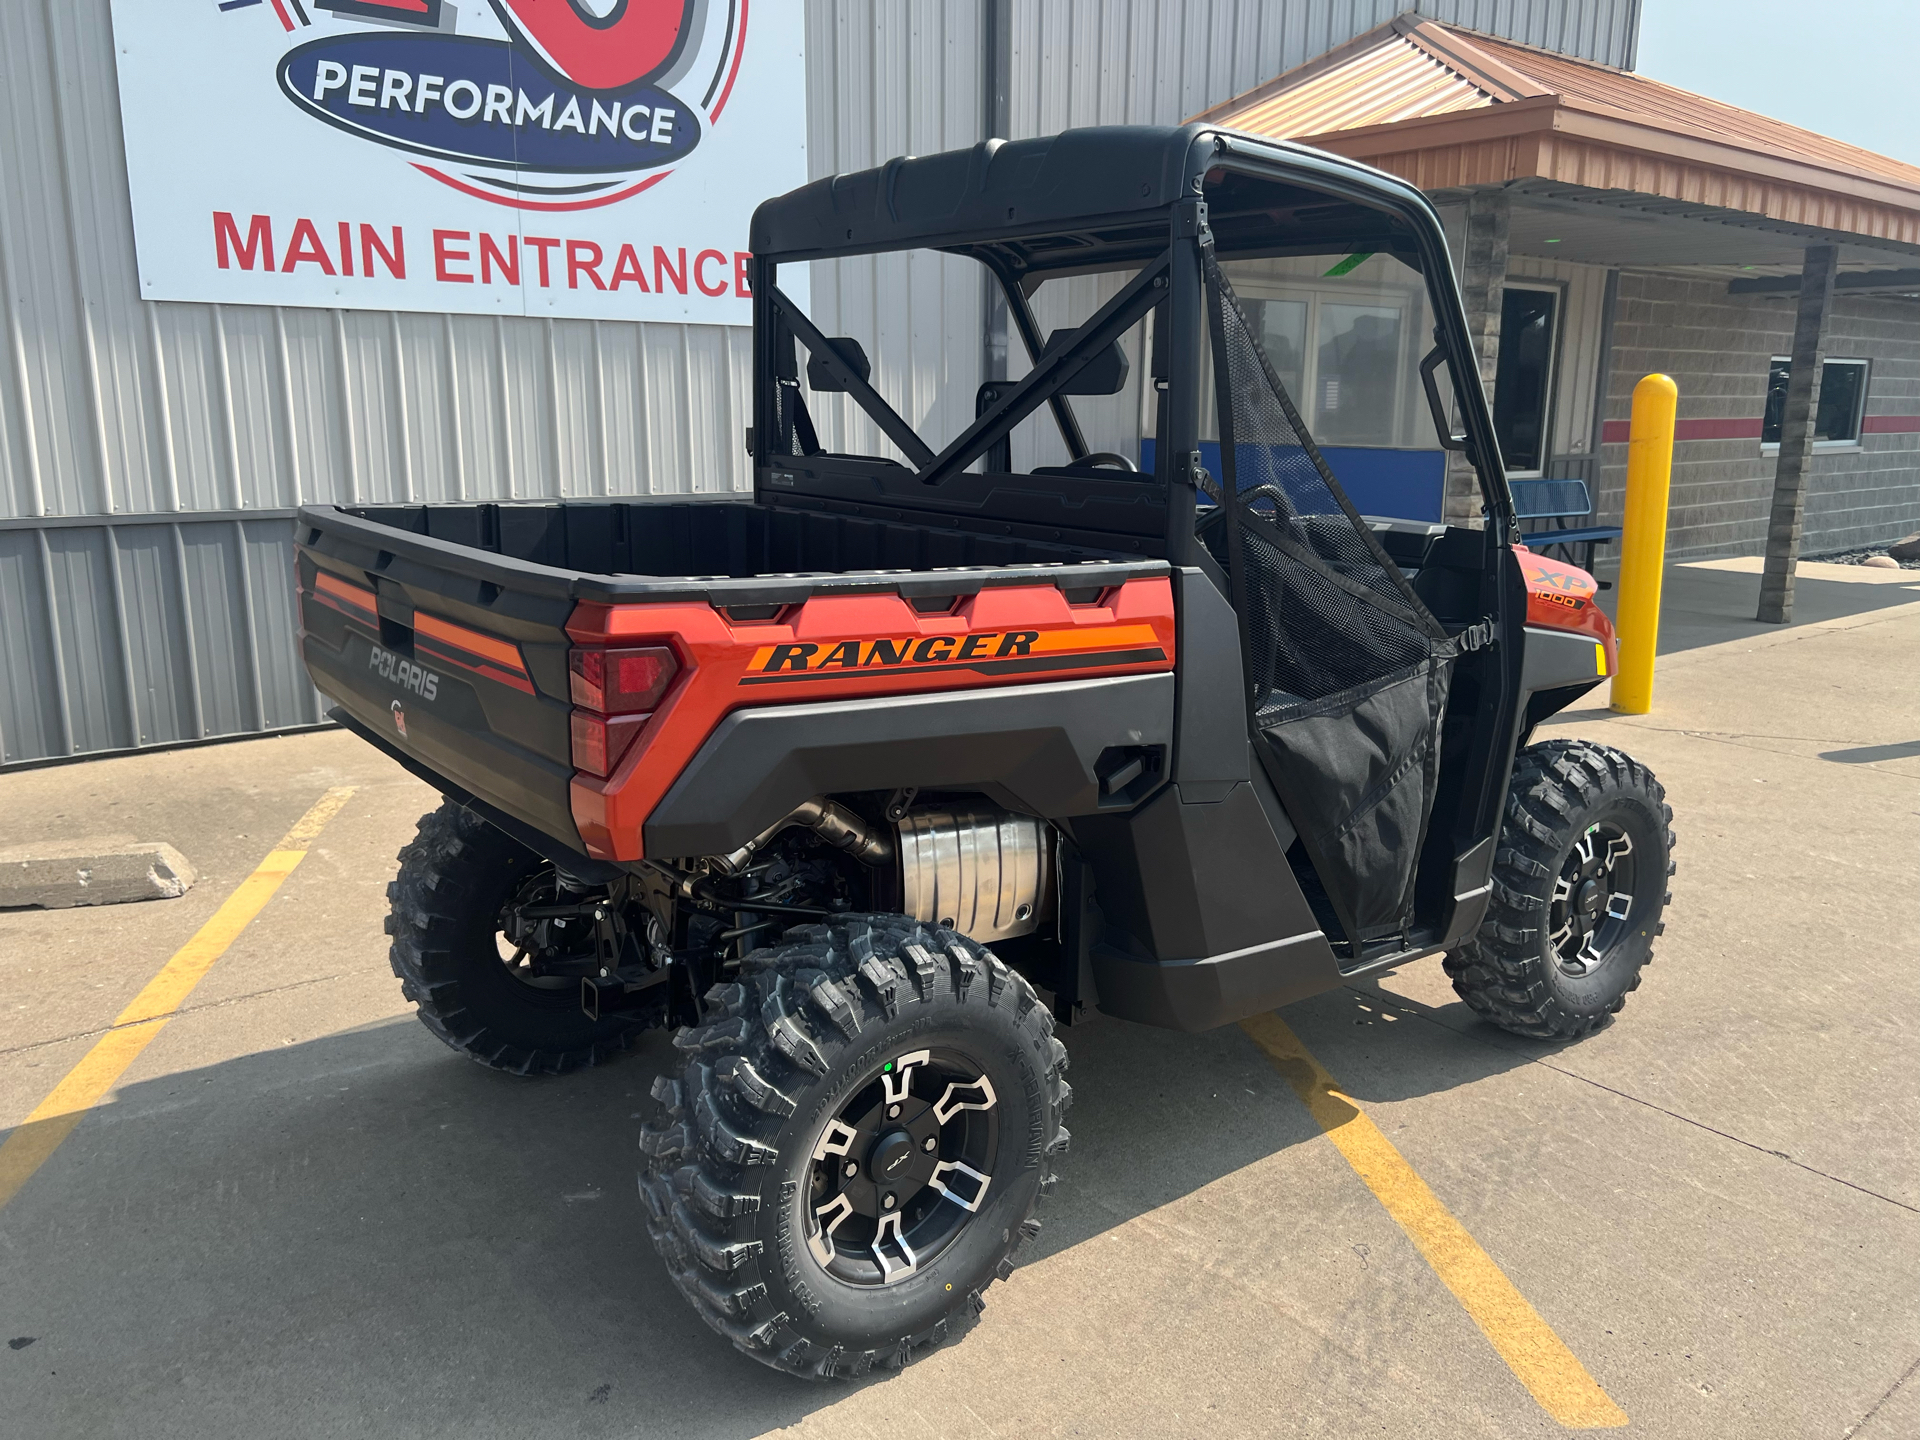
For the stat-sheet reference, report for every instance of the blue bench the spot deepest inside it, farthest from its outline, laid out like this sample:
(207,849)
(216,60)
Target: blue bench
(1560,501)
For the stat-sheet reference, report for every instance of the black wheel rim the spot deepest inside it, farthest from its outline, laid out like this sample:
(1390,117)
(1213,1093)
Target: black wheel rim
(518,941)
(1593,899)
(904,1167)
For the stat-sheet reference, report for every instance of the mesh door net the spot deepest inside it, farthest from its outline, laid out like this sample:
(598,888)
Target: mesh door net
(1346,669)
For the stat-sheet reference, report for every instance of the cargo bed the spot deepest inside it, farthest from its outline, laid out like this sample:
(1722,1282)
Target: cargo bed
(440,632)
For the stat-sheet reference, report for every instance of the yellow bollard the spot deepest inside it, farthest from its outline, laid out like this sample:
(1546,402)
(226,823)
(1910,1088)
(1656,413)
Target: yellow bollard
(1643,546)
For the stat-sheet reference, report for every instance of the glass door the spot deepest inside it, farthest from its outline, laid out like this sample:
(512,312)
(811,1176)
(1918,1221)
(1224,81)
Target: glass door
(1523,379)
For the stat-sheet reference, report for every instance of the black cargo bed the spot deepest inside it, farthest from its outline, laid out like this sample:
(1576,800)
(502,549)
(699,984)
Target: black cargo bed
(727,550)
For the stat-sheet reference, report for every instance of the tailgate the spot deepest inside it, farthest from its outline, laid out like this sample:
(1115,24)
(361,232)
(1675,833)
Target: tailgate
(455,661)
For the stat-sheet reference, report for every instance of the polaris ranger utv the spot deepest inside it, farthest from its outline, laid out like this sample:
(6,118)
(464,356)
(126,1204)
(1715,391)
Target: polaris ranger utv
(868,780)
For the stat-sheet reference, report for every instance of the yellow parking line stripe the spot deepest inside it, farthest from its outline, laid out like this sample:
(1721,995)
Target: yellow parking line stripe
(53,1119)
(1538,1357)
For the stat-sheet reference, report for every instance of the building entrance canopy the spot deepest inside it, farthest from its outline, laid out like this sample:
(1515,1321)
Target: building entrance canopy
(1604,165)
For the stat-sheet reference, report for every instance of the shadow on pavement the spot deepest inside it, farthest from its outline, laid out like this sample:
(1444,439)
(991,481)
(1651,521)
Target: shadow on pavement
(366,1232)
(1700,606)
(1868,754)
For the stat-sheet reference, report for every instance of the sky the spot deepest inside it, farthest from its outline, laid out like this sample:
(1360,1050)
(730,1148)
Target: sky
(1846,68)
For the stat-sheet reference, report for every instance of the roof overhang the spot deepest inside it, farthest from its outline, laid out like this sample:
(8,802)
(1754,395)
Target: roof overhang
(1543,138)
(1450,111)
(1625,229)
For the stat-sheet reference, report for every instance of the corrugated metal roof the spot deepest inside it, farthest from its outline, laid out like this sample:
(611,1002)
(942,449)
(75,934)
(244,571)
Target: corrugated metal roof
(1445,107)
(1638,97)
(1380,85)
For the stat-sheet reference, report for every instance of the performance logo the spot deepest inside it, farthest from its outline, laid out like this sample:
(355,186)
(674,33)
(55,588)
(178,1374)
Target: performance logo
(538,104)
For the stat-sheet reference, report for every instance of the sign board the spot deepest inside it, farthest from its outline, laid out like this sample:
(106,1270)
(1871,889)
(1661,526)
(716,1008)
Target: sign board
(588,158)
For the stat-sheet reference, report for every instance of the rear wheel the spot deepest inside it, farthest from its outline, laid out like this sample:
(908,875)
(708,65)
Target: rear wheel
(1579,889)
(856,1144)
(467,959)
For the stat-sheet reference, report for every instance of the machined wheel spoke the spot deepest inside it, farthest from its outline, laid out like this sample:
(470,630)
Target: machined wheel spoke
(835,1139)
(1563,891)
(1618,848)
(821,1241)
(1588,957)
(964,1095)
(947,1168)
(888,1238)
(1563,934)
(898,1082)
(1619,906)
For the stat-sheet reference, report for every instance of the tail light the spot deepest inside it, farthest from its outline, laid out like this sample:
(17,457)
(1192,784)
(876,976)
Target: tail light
(614,693)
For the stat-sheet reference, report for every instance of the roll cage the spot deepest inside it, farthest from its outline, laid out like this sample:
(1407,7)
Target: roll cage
(1153,201)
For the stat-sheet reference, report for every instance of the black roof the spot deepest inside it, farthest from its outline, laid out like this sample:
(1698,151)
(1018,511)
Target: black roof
(1112,184)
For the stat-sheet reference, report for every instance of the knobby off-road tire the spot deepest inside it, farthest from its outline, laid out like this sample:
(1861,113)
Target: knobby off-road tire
(445,905)
(732,1177)
(1585,825)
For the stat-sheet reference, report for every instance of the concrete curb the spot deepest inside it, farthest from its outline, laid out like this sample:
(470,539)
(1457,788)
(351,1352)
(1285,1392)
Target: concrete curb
(103,870)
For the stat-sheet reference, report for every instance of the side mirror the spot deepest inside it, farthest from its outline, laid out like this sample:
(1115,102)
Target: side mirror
(847,354)
(1104,374)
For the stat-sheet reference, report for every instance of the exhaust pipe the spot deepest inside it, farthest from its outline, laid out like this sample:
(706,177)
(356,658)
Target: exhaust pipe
(832,822)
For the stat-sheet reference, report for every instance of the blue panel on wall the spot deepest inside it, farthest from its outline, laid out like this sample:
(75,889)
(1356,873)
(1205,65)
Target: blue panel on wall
(1399,484)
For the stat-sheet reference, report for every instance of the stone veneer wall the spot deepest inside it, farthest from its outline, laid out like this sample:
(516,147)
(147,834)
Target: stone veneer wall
(1717,348)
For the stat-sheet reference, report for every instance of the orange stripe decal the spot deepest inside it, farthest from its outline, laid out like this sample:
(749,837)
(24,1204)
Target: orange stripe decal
(344,590)
(427,651)
(501,652)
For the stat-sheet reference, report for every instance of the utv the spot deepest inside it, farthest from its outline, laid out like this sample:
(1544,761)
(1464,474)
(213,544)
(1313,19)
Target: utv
(868,780)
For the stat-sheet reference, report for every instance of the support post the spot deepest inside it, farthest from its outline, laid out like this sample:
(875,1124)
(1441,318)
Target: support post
(1796,436)
(1643,543)
(1483,287)
(996,119)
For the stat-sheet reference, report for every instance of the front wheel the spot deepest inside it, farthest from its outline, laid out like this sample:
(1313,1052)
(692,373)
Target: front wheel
(1579,889)
(856,1144)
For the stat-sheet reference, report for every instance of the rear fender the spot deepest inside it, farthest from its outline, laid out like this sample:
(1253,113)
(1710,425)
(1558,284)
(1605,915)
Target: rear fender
(852,649)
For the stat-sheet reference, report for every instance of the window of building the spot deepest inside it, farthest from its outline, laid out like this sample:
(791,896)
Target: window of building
(1344,335)
(1523,379)
(1836,414)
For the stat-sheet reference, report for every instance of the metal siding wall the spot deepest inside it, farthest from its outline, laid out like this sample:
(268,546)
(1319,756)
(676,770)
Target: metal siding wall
(1155,62)
(134,631)
(1603,30)
(887,78)
(176,424)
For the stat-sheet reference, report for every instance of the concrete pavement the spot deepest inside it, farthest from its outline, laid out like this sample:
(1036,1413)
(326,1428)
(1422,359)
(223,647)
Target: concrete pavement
(300,1215)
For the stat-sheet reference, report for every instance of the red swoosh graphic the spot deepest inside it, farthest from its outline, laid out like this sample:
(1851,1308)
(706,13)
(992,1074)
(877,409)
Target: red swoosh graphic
(635,41)
(514,202)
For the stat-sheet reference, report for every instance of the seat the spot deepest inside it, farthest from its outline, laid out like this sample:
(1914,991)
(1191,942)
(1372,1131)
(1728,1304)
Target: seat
(1560,501)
